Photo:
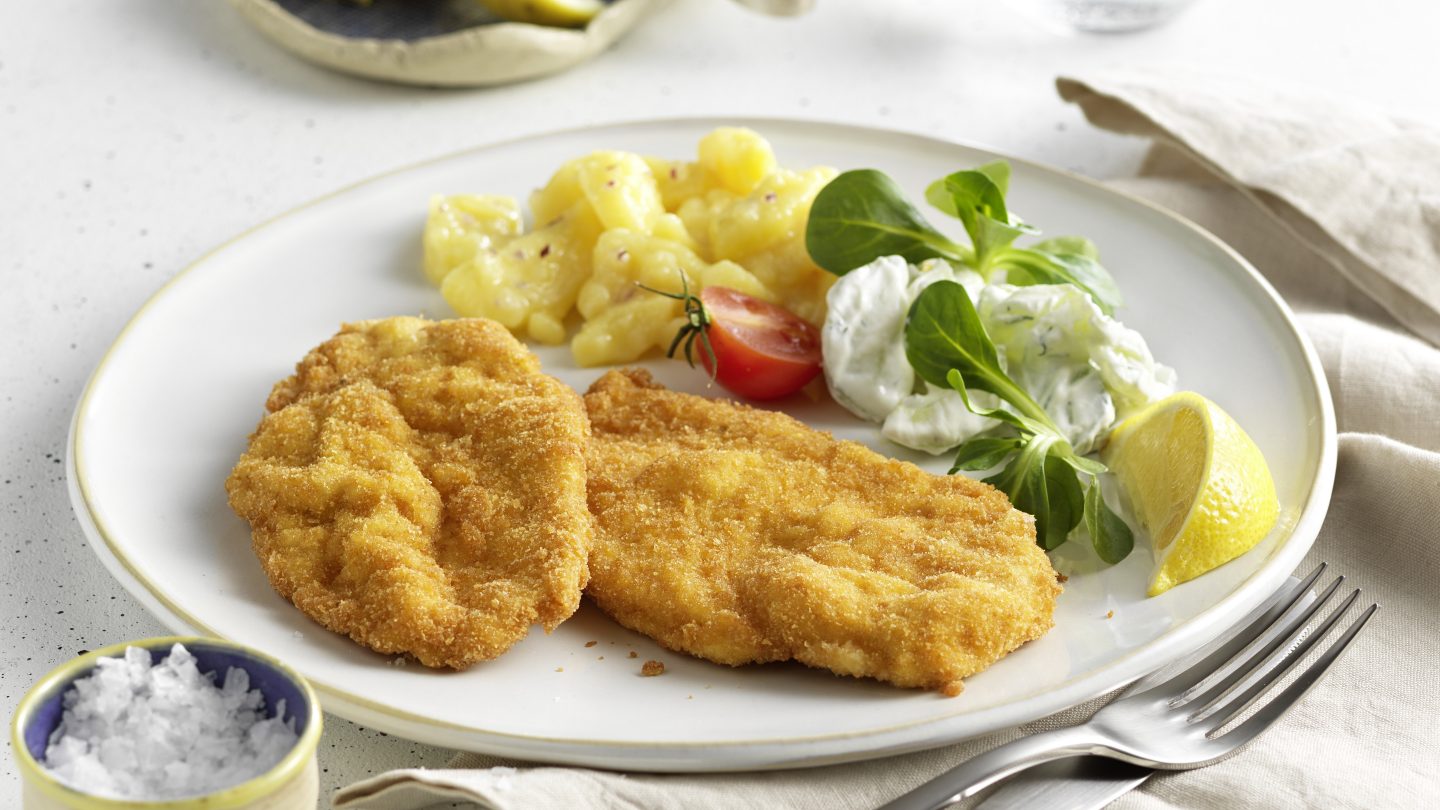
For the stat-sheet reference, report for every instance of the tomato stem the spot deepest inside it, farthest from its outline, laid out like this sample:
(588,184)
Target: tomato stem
(697,325)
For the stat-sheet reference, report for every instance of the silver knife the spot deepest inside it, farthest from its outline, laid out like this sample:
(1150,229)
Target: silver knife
(1077,783)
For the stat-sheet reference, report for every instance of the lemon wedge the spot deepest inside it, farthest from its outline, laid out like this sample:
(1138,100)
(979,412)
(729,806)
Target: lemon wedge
(1196,482)
(562,13)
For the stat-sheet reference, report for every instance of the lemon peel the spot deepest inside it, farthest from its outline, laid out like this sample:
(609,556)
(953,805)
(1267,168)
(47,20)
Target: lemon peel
(1196,482)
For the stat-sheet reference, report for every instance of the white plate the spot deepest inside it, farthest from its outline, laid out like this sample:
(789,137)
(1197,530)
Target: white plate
(168,411)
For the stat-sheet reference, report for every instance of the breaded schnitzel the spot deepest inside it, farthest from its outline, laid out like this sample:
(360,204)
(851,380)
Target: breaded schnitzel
(420,487)
(741,535)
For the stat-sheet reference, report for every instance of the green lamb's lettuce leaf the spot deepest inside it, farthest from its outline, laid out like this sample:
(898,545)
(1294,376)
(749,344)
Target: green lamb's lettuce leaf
(862,215)
(1089,466)
(943,334)
(1027,266)
(984,452)
(1066,501)
(1077,245)
(977,198)
(956,381)
(1112,539)
(997,172)
(947,345)
(1039,482)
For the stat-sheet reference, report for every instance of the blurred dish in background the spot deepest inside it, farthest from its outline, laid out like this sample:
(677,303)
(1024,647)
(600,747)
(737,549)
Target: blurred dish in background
(454,43)
(779,8)
(559,13)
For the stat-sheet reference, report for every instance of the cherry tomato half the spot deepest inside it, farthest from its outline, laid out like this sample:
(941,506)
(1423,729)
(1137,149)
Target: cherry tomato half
(763,351)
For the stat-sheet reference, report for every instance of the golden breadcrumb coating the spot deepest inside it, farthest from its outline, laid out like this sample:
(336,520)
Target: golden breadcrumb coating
(741,535)
(420,487)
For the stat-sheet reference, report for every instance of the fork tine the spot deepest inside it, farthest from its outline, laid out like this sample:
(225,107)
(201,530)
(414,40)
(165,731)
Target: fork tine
(1281,703)
(1268,611)
(1233,706)
(1237,639)
(1287,631)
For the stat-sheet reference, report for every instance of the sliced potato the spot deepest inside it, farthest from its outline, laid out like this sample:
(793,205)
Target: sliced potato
(461,225)
(738,158)
(609,221)
(679,180)
(529,283)
(623,320)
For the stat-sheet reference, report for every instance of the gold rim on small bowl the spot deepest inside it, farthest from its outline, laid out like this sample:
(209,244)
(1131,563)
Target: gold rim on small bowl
(54,684)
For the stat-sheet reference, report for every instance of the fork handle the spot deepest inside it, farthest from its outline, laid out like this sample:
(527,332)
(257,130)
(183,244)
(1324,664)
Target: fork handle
(977,773)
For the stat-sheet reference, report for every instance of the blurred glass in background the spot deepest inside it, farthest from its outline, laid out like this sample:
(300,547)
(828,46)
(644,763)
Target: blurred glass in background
(1107,16)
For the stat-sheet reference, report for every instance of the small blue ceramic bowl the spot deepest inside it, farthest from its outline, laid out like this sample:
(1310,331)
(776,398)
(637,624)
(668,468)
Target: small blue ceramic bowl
(291,783)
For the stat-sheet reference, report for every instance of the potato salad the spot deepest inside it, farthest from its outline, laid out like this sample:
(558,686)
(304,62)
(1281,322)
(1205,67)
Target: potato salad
(611,228)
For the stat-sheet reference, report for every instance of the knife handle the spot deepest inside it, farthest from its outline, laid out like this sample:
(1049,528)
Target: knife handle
(977,773)
(1078,783)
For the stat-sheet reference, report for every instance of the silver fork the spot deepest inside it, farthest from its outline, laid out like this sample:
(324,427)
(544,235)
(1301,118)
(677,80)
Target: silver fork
(1180,721)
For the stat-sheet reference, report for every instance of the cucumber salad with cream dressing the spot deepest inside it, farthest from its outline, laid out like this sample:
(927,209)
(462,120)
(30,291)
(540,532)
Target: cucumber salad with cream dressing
(1086,369)
(1008,355)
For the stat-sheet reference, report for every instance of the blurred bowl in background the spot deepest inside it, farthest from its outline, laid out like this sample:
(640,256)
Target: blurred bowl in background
(439,43)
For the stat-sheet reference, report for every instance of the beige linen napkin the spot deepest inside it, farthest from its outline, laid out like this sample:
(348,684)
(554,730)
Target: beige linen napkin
(1338,207)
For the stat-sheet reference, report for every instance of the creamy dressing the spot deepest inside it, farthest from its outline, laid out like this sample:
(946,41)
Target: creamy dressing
(863,339)
(1083,367)
(931,419)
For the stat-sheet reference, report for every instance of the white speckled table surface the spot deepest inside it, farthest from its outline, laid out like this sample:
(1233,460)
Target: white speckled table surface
(134,136)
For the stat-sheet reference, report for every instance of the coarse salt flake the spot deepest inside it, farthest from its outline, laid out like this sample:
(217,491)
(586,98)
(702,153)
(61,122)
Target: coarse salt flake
(131,730)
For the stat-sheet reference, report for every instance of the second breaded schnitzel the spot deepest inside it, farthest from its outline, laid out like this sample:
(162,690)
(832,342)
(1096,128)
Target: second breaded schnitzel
(420,487)
(742,535)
